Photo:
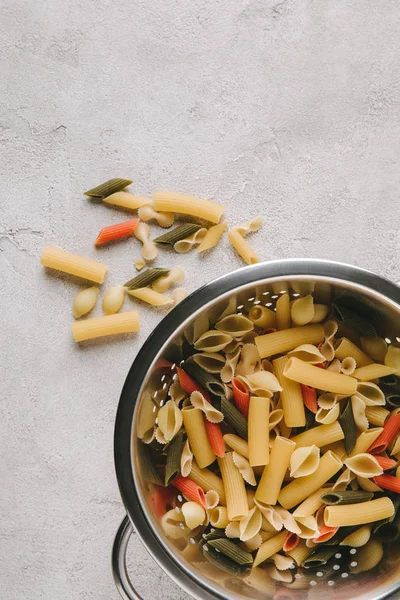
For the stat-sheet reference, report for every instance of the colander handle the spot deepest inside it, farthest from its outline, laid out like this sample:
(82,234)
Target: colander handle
(120,572)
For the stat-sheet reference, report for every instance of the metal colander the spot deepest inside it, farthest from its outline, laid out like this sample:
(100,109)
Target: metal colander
(258,284)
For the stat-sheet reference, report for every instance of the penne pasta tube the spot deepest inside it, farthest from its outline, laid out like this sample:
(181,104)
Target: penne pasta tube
(150,296)
(359,514)
(272,478)
(300,553)
(291,396)
(235,491)
(258,431)
(321,379)
(212,237)
(238,444)
(319,436)
(269,548)
(299,489)
(127,322)
(283,312)
(208,481)
(196,432)
(311,504)
(60,260)
(188,205)
(242,247)
(377,415)
(365,440)
(262,316)
(373,371)
(127,200)
(288,339)
(345,348)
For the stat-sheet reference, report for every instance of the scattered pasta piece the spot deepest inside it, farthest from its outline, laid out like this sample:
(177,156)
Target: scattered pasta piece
(53,258)
(126,200)
(150,297)
(127,322)
(188,205)
(113,299)
(212,237)
(175,275)
(140,264)
(85,301)
(149,249)
(147,213)
(186,244)
(242,247)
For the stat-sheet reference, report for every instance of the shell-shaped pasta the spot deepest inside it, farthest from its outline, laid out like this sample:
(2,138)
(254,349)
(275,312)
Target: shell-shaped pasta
(370,393)
(267,365)
(212,341)
(173,524)
(250,226)
(160,437)
(327,416)
(281,562)
(186,460)
(270,514)
(169,420)
(348,365)
(308,527)
(308,353)
(147,418)
(330,329)
(358,409)
(250,525)
(164,219)
(212,499)
(328,400)
(176,393)
(113,299)
(249,360)
(375,346)
(244,468)
(162,284)
(275,417)
(187,244)
(212,362)
(263,381)
(254,543)
(211,414)
(368,485)
(304,461)
(85,301)
(289,521)
(335,366)
(343,482)
(327,348)
(302,287)
(364,465)
(358,538)
(368,557)
(276,575)
(199,326)
(321,311)
(228,370)
(142,233)
(302,310)
(236,325)
(223,308)
(193,514)
(232,530)
(392,358)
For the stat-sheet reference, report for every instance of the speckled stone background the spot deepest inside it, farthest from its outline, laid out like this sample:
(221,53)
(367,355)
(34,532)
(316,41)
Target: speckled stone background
(289,109)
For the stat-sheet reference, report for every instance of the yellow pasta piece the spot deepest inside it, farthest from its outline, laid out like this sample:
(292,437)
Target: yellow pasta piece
(364,465)
(304,461)
(235,491)
(375,347)
(300,553)
(319,436)
(60,260)
(288,339)
(208,481)
(162,284)
(307,353)
(196,432)
(193,513)
(169,420)
(311,504)
(377,415)
(262,316)
(269,548)
(302,310)
(368,557)
(147,213)
(245,468)
(358,538)
(127,200)
(365,439)
(186,460)
(298,490)
(258,430)
(127,322)
(290,396)
(359,514)
(272,478)
(188,205)
(373,371)
(321,311)
(242,247)
(337,447)
(345,348)
(212,237)
(237,444)
(392,358)
(151,297)
(142,233)
(321,379)
(396,447)
(219,517)
(283,312)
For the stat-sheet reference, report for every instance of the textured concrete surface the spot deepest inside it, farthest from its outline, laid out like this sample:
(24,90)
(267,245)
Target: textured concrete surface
(286,108)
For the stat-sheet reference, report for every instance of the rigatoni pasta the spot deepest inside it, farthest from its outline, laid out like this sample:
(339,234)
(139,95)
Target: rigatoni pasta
(86,268)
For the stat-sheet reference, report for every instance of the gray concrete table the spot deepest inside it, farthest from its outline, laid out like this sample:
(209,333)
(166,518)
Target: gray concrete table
(289,109)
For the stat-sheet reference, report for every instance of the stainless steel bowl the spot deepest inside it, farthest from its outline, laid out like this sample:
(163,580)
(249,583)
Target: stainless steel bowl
(261,282)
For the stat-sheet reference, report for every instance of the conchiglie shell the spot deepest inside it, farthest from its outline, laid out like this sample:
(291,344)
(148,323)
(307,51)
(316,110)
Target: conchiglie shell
(169,420)
(85,301)
(358,538)
(193,513)
(235,325)
(212,362)
(250,525)
(171,524)
(308,353)
(358,409)
(327,416)
(113,300)
(263,381)
(321,311)
(213,341)
(302,310)
(368,557)
(370,393)
(364,465)
(304,461)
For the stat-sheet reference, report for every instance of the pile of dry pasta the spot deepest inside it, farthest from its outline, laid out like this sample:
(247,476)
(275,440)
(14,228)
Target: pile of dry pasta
(202,230)
(273,441)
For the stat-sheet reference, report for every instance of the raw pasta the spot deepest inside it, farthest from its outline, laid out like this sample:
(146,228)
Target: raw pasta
(212,237)
(188,205)
(127,322)
(57,259)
